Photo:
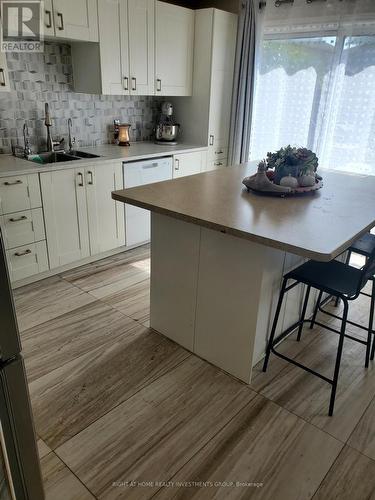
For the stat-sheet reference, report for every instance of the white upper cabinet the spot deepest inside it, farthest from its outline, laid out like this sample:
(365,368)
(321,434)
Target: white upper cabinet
(141,22)
(123,63)
(49,25)
(76,19)
(113,46)
(174,39)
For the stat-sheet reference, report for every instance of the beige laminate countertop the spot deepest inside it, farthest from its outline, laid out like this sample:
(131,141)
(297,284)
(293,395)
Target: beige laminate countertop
(318,226)
(10,165)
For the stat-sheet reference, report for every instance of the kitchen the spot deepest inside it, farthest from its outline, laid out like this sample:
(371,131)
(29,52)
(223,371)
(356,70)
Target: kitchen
(126,94)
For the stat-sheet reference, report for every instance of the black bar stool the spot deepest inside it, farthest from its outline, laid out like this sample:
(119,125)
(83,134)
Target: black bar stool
(336,279)
(365,246)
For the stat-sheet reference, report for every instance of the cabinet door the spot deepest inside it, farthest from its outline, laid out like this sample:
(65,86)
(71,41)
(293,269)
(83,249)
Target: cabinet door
(141,20)
(106,217)
(174,49)
(49,27)
(65,215)
(76,19)
(223,54)
(187,164)
(4,78)
(114,65)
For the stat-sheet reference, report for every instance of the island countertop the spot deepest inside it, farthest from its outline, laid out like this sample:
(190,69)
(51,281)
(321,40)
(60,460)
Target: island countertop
(319,226)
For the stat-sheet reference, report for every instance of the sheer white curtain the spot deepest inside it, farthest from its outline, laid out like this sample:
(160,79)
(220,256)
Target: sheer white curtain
(315,83)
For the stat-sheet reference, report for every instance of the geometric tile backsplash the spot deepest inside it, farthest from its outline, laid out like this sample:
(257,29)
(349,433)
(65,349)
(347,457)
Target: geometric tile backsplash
(37,78)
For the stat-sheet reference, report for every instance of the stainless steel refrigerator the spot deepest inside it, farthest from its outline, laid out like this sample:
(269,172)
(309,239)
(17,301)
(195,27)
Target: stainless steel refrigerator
(20,476)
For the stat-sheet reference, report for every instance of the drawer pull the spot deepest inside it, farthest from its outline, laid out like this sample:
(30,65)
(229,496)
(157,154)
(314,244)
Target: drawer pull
(48,14)
(158,85)
(219,152)
(21,254)
(61,25)
(2,79)
(218,163)
(80,177)
(19,219)
(91,181)
(7,183)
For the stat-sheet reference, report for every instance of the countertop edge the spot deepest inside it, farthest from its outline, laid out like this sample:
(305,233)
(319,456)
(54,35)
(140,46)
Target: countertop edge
(322,257)
(35,168)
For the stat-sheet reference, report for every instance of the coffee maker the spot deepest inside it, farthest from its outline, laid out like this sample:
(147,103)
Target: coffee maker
(167,129)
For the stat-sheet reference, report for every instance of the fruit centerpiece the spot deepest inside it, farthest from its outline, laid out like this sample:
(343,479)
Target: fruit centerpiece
(289,170)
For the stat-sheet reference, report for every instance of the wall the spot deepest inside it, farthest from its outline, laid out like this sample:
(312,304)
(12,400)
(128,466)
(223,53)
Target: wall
(47,77)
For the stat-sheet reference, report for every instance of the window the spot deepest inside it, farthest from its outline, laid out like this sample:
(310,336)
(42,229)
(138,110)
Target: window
(317,92)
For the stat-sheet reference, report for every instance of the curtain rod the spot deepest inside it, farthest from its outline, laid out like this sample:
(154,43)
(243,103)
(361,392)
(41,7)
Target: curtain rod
(279,3)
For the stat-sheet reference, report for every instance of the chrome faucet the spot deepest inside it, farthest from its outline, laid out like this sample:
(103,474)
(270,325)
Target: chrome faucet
(27,149)
(71,142)
(48,124)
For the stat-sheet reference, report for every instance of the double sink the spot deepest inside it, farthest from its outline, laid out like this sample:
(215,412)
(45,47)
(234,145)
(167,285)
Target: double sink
(60,156)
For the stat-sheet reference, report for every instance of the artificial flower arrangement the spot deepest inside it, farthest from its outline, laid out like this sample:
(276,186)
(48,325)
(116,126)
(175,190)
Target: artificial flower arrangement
(288,170)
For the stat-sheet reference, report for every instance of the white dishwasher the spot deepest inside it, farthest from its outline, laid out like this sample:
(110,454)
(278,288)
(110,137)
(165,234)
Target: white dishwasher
(139,173)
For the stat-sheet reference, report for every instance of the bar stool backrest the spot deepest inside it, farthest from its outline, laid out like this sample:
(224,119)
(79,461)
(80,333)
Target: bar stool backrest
(368,272)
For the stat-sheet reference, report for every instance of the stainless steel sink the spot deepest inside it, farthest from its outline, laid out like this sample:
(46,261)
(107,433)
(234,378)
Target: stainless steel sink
(52,157)
(82,154)
(60,156)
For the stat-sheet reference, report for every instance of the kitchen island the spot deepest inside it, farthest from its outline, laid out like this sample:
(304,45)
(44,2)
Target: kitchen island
(218,254)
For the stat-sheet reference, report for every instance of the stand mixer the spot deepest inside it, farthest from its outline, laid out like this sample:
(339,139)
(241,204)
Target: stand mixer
(167,130)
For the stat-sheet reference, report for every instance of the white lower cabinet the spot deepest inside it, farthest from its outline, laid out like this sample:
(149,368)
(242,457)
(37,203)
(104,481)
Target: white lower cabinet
(80,216)
(65,215)
(27,260)
(189,163)
(105,216)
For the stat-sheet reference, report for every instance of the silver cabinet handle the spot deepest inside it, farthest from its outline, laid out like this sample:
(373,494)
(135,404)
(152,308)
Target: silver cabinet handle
(61,27)
(219,152)
(23,217)
(49,15)
(177,164)
(212,140)
(21,254)
(134,83)
(80,176)
(8,183)
(126,83)
(2,78)
(91,180)
(158,85)
(218,163)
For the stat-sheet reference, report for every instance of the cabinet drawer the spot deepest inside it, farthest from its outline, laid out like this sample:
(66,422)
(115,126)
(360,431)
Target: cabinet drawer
(21,228)
(21,192)
(217,153)
(213,165)
(27,260)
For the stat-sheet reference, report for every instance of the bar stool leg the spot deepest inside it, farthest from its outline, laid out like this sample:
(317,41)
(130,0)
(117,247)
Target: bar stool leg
(274,324)
(316,309)
(303,313)
(338,358)
(370,325)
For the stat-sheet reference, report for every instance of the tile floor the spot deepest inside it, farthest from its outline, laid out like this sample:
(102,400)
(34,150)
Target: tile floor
(121,412)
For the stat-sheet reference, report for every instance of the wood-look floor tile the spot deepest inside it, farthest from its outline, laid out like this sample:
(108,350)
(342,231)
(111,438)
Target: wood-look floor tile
(70,398)
(263,444)
(363,437)
(58,341)
(134,301)
(308,396)
(123,258)
(60,483)
(154,433)
(112,277)
(352,477)
(47,299)
(43,449)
